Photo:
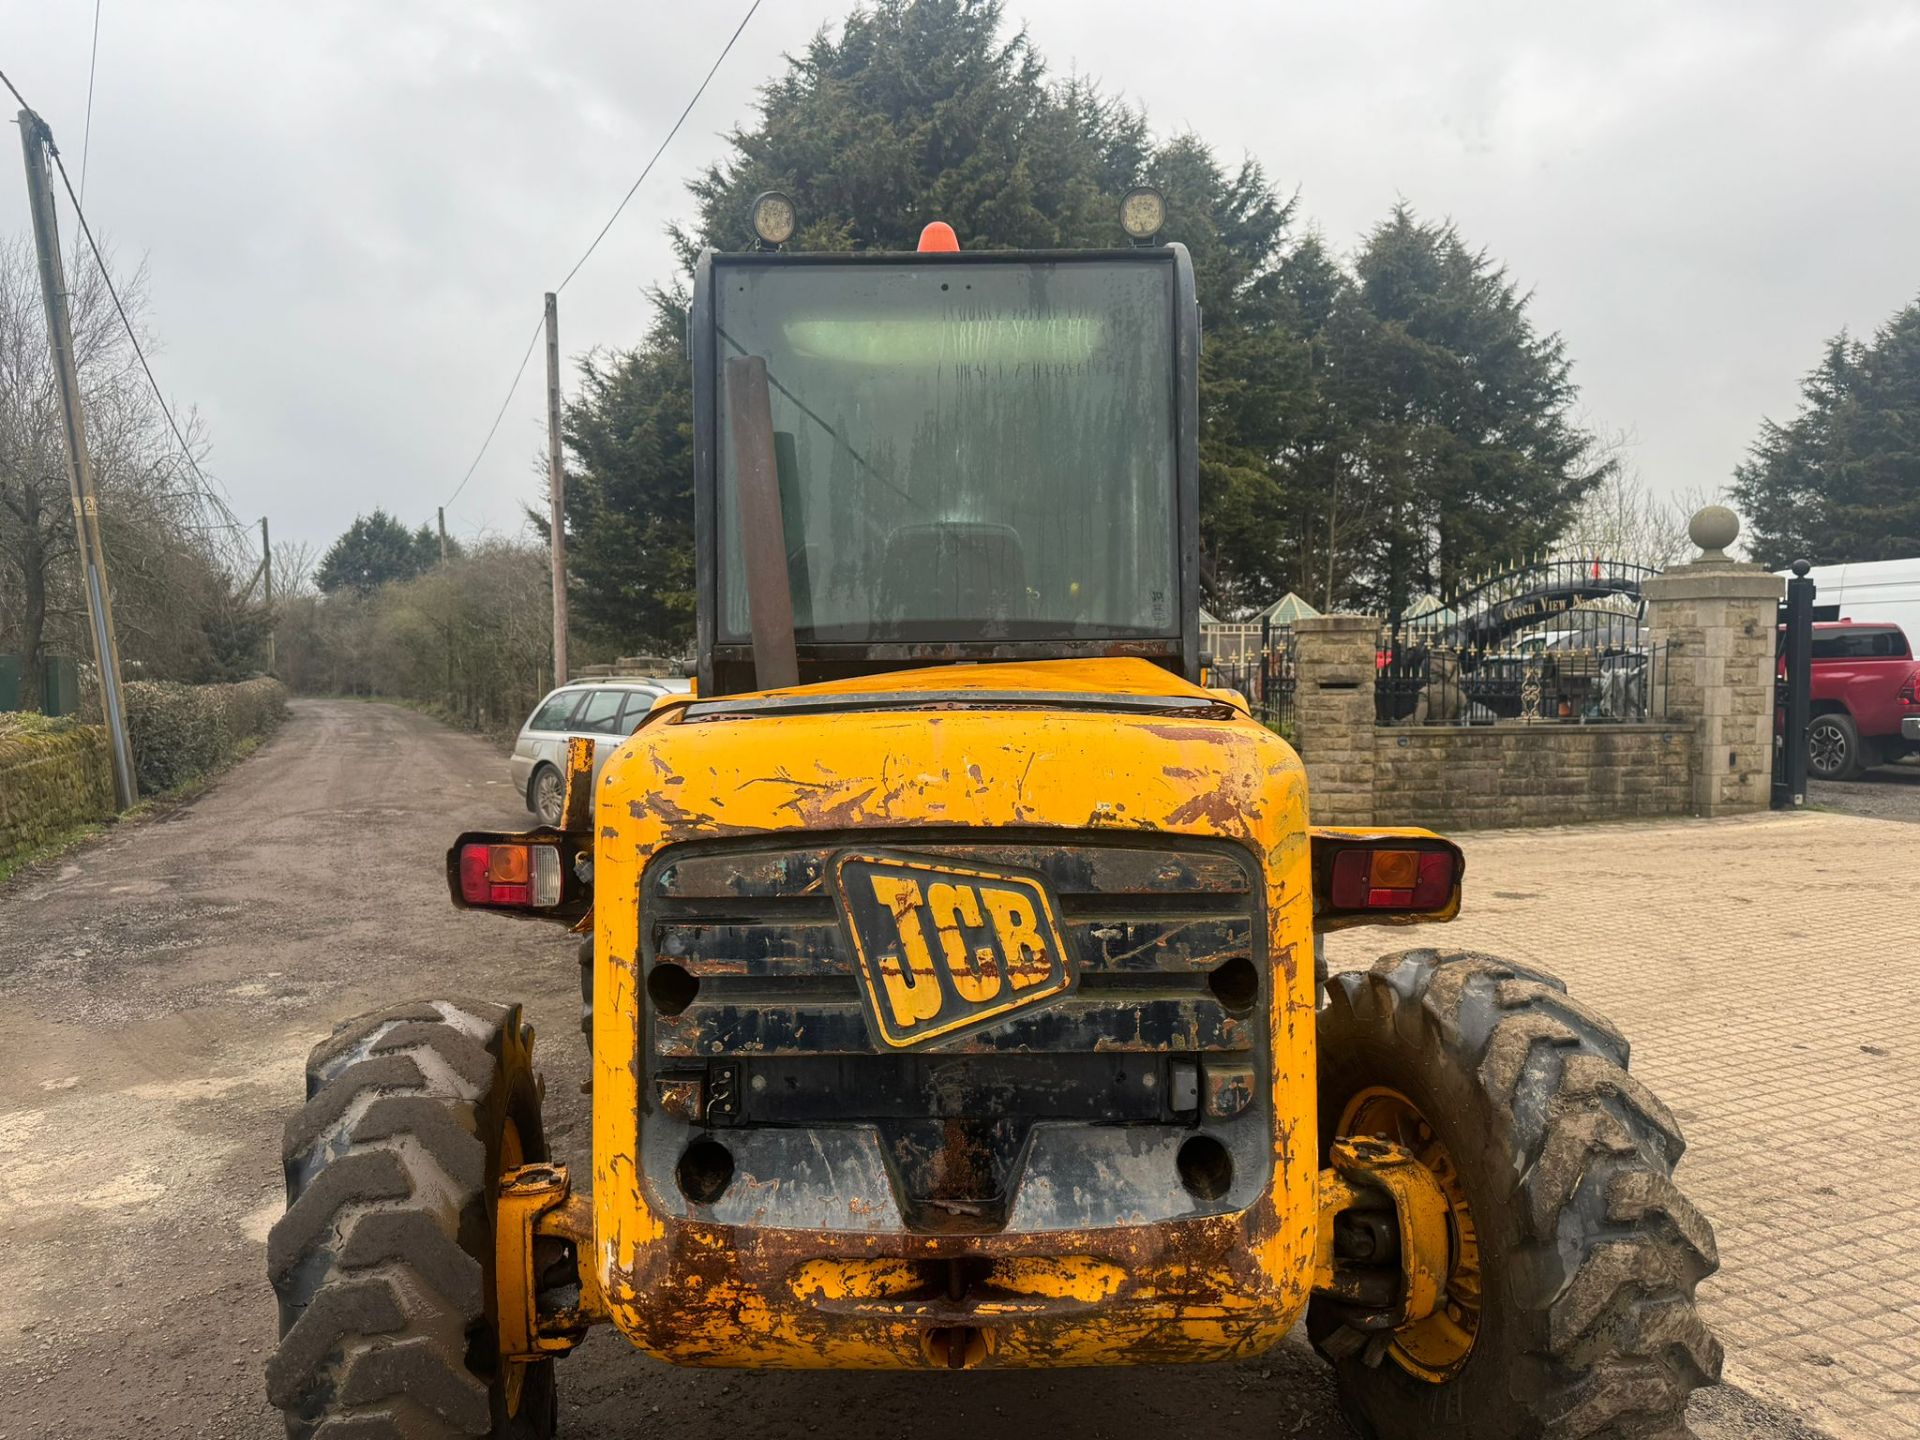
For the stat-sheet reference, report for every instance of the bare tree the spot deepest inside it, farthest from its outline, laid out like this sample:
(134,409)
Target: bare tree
(1622,519)
(293,567)
(171,548)
(470,637)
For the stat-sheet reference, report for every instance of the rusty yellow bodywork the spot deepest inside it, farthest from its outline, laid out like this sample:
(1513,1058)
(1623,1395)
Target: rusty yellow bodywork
(1207,1288)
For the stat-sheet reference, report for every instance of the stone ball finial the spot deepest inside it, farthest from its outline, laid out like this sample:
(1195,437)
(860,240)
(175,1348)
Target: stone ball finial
(1713,529)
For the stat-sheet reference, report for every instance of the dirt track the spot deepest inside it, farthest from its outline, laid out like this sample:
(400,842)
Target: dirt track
(158,992)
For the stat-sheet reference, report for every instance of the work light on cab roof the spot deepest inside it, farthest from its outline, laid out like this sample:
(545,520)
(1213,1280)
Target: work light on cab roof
(1143,214)
(773,218)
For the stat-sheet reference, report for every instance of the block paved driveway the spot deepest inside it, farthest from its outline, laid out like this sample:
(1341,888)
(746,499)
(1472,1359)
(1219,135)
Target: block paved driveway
(1765,971)
(159,989)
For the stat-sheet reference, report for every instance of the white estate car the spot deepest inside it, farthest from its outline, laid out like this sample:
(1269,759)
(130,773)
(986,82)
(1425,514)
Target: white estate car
(605,710)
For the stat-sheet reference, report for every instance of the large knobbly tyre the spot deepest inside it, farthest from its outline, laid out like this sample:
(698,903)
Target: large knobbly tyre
(383,1262)
(1580,1313)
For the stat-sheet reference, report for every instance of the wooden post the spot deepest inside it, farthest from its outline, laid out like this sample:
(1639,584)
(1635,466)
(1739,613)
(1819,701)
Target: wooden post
(34,140)
(556,494)
(266,564)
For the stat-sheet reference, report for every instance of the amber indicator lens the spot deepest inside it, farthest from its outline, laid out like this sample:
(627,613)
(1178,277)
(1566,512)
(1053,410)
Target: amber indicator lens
(1369,879)
(520,876)
(509,864)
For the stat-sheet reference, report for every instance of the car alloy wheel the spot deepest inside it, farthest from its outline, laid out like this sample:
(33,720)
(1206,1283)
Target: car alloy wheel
(549,796)
(1827,748)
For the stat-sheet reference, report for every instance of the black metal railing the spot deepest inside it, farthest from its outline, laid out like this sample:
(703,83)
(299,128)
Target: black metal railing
(1267,676)
(1492,612)
(1564,683)
(1560,641)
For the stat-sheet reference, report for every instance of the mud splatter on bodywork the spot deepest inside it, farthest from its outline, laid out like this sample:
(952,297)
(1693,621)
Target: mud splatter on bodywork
(1124,1264)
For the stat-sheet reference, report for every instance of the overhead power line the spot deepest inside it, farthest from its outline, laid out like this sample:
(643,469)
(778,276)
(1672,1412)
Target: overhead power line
(712,70)
(228,520)
(632,190)
(93,60)
(133,337)
(499,414)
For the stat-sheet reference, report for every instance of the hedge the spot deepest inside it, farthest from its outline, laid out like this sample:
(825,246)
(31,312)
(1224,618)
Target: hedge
(58,774)
(180,731)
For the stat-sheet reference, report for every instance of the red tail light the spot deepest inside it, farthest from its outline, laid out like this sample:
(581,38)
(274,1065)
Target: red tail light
(1910,692)
(1366,879)
(513,875)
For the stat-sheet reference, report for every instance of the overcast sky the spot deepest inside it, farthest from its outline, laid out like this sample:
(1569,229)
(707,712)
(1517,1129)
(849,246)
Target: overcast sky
(350,210)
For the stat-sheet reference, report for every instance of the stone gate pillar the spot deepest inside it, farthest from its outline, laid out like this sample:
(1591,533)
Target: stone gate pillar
(1715,619)
(1333,714)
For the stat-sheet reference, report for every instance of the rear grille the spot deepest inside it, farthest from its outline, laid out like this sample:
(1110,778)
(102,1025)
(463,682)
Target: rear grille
(1062,1116)
(755,927)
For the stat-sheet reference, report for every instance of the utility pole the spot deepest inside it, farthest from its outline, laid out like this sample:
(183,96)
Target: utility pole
(556,494)
(35,141)
(446,634)
(266,564)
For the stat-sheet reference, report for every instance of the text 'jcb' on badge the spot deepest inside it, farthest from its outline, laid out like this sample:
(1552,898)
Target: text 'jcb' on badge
(943,947)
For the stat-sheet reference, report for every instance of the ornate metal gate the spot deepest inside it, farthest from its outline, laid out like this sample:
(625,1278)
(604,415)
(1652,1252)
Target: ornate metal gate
(1550,640)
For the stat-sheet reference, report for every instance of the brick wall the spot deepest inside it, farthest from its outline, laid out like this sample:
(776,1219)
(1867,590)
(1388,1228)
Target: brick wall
(53,776)
(1483,776)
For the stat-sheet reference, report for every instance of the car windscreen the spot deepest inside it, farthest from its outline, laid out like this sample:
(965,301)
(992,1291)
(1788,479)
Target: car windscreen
(965,451)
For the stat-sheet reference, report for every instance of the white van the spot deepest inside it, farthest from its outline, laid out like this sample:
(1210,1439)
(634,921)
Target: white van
(1872,591)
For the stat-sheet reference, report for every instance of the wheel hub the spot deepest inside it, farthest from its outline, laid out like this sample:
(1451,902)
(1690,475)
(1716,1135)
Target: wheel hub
(548,796)
(1827,748)
(1432,1347)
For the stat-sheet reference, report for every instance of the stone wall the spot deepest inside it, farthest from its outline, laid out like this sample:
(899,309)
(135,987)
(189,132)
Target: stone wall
(1333,714)
(1476,777)
(54,775)
(58,774)
(1718,621)
(1469,776)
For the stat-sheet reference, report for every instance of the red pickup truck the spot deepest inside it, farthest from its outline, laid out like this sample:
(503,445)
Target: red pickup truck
(1865,700)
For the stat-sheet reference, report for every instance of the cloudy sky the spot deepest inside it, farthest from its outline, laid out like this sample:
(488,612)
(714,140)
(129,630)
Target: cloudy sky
(350,209)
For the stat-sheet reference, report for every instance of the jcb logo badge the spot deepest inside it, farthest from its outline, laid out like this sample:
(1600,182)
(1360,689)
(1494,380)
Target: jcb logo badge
(943,948)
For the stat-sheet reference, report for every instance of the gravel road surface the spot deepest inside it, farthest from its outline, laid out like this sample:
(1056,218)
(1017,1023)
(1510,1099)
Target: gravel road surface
(158,992)
(1891,792)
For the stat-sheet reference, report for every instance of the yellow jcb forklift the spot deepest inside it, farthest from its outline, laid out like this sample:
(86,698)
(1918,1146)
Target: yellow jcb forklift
(955,991)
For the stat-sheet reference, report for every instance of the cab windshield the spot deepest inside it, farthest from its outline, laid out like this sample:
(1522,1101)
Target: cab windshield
(965,451)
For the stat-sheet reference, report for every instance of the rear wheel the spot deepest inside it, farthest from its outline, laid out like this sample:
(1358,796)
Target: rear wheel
(384,1261)
(1833,747)
(1568,1308)
(547,794)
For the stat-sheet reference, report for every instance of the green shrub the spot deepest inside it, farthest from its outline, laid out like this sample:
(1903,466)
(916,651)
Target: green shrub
(57,775)
(180,731)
